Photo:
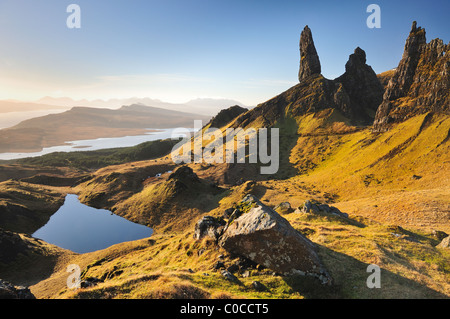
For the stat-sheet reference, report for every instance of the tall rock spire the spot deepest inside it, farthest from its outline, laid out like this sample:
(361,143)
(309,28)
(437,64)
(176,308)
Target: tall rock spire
(421,82)
(406,69)
(309,60)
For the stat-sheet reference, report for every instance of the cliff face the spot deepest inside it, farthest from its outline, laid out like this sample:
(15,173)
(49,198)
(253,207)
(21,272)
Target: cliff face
(420,84)
(362,86)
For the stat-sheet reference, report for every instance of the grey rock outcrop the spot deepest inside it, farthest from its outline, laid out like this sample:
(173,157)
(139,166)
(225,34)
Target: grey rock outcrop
(258,286)
(312,207)
(9,291)
(363,88)
(445,243)
(229,276)
(209,226)
(284,208)
(309,59)
(264,237)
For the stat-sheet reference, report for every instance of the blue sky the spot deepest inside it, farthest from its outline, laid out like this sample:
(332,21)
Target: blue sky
(177,50)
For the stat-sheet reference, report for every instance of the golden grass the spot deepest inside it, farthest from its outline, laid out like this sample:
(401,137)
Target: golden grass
(396,178)
(177,266)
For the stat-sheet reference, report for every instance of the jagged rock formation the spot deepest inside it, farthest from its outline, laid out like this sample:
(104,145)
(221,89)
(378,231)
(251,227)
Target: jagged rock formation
(356,94)
(309,60)
(362,86)
(420,84)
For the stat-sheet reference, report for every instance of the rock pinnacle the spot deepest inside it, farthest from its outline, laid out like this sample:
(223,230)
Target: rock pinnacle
(309,60)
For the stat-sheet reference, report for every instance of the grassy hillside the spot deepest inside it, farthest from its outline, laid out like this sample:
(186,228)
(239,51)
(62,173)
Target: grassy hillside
(394,186)
(327,157)
(177,266)
(26,207)
(29,260)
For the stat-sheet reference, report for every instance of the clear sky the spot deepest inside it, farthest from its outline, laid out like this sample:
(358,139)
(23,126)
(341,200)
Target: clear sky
(177,50)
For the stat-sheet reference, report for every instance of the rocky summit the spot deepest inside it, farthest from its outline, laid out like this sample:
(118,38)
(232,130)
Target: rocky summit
(356,94)
(359,90)
(309,60)
(420,84)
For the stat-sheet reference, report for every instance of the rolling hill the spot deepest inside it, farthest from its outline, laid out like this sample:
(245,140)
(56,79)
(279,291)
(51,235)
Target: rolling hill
(81,123)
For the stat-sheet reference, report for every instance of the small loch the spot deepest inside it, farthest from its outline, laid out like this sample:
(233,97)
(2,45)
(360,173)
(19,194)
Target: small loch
(84,229)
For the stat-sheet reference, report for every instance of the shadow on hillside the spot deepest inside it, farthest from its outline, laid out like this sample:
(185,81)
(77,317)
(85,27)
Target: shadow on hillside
(310,217)
(350,282)
(288,139)
(27,268)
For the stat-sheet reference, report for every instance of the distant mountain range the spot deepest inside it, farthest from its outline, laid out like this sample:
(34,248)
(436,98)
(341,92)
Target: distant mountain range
(12,112)
(8,106)
(207,106)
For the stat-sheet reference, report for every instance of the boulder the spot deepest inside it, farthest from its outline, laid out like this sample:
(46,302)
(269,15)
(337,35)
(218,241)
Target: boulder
(445,243)
(258,286)
(312,207)
(284,208)
(9,291)
(230,277)
(263,236)
(209,226)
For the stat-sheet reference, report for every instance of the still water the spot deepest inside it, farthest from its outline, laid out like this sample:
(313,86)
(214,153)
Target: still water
(83,229)
(100,143)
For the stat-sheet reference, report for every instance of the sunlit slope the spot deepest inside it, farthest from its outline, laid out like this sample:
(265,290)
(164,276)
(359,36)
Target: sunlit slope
(400,176)
(412,155)
(332,159)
